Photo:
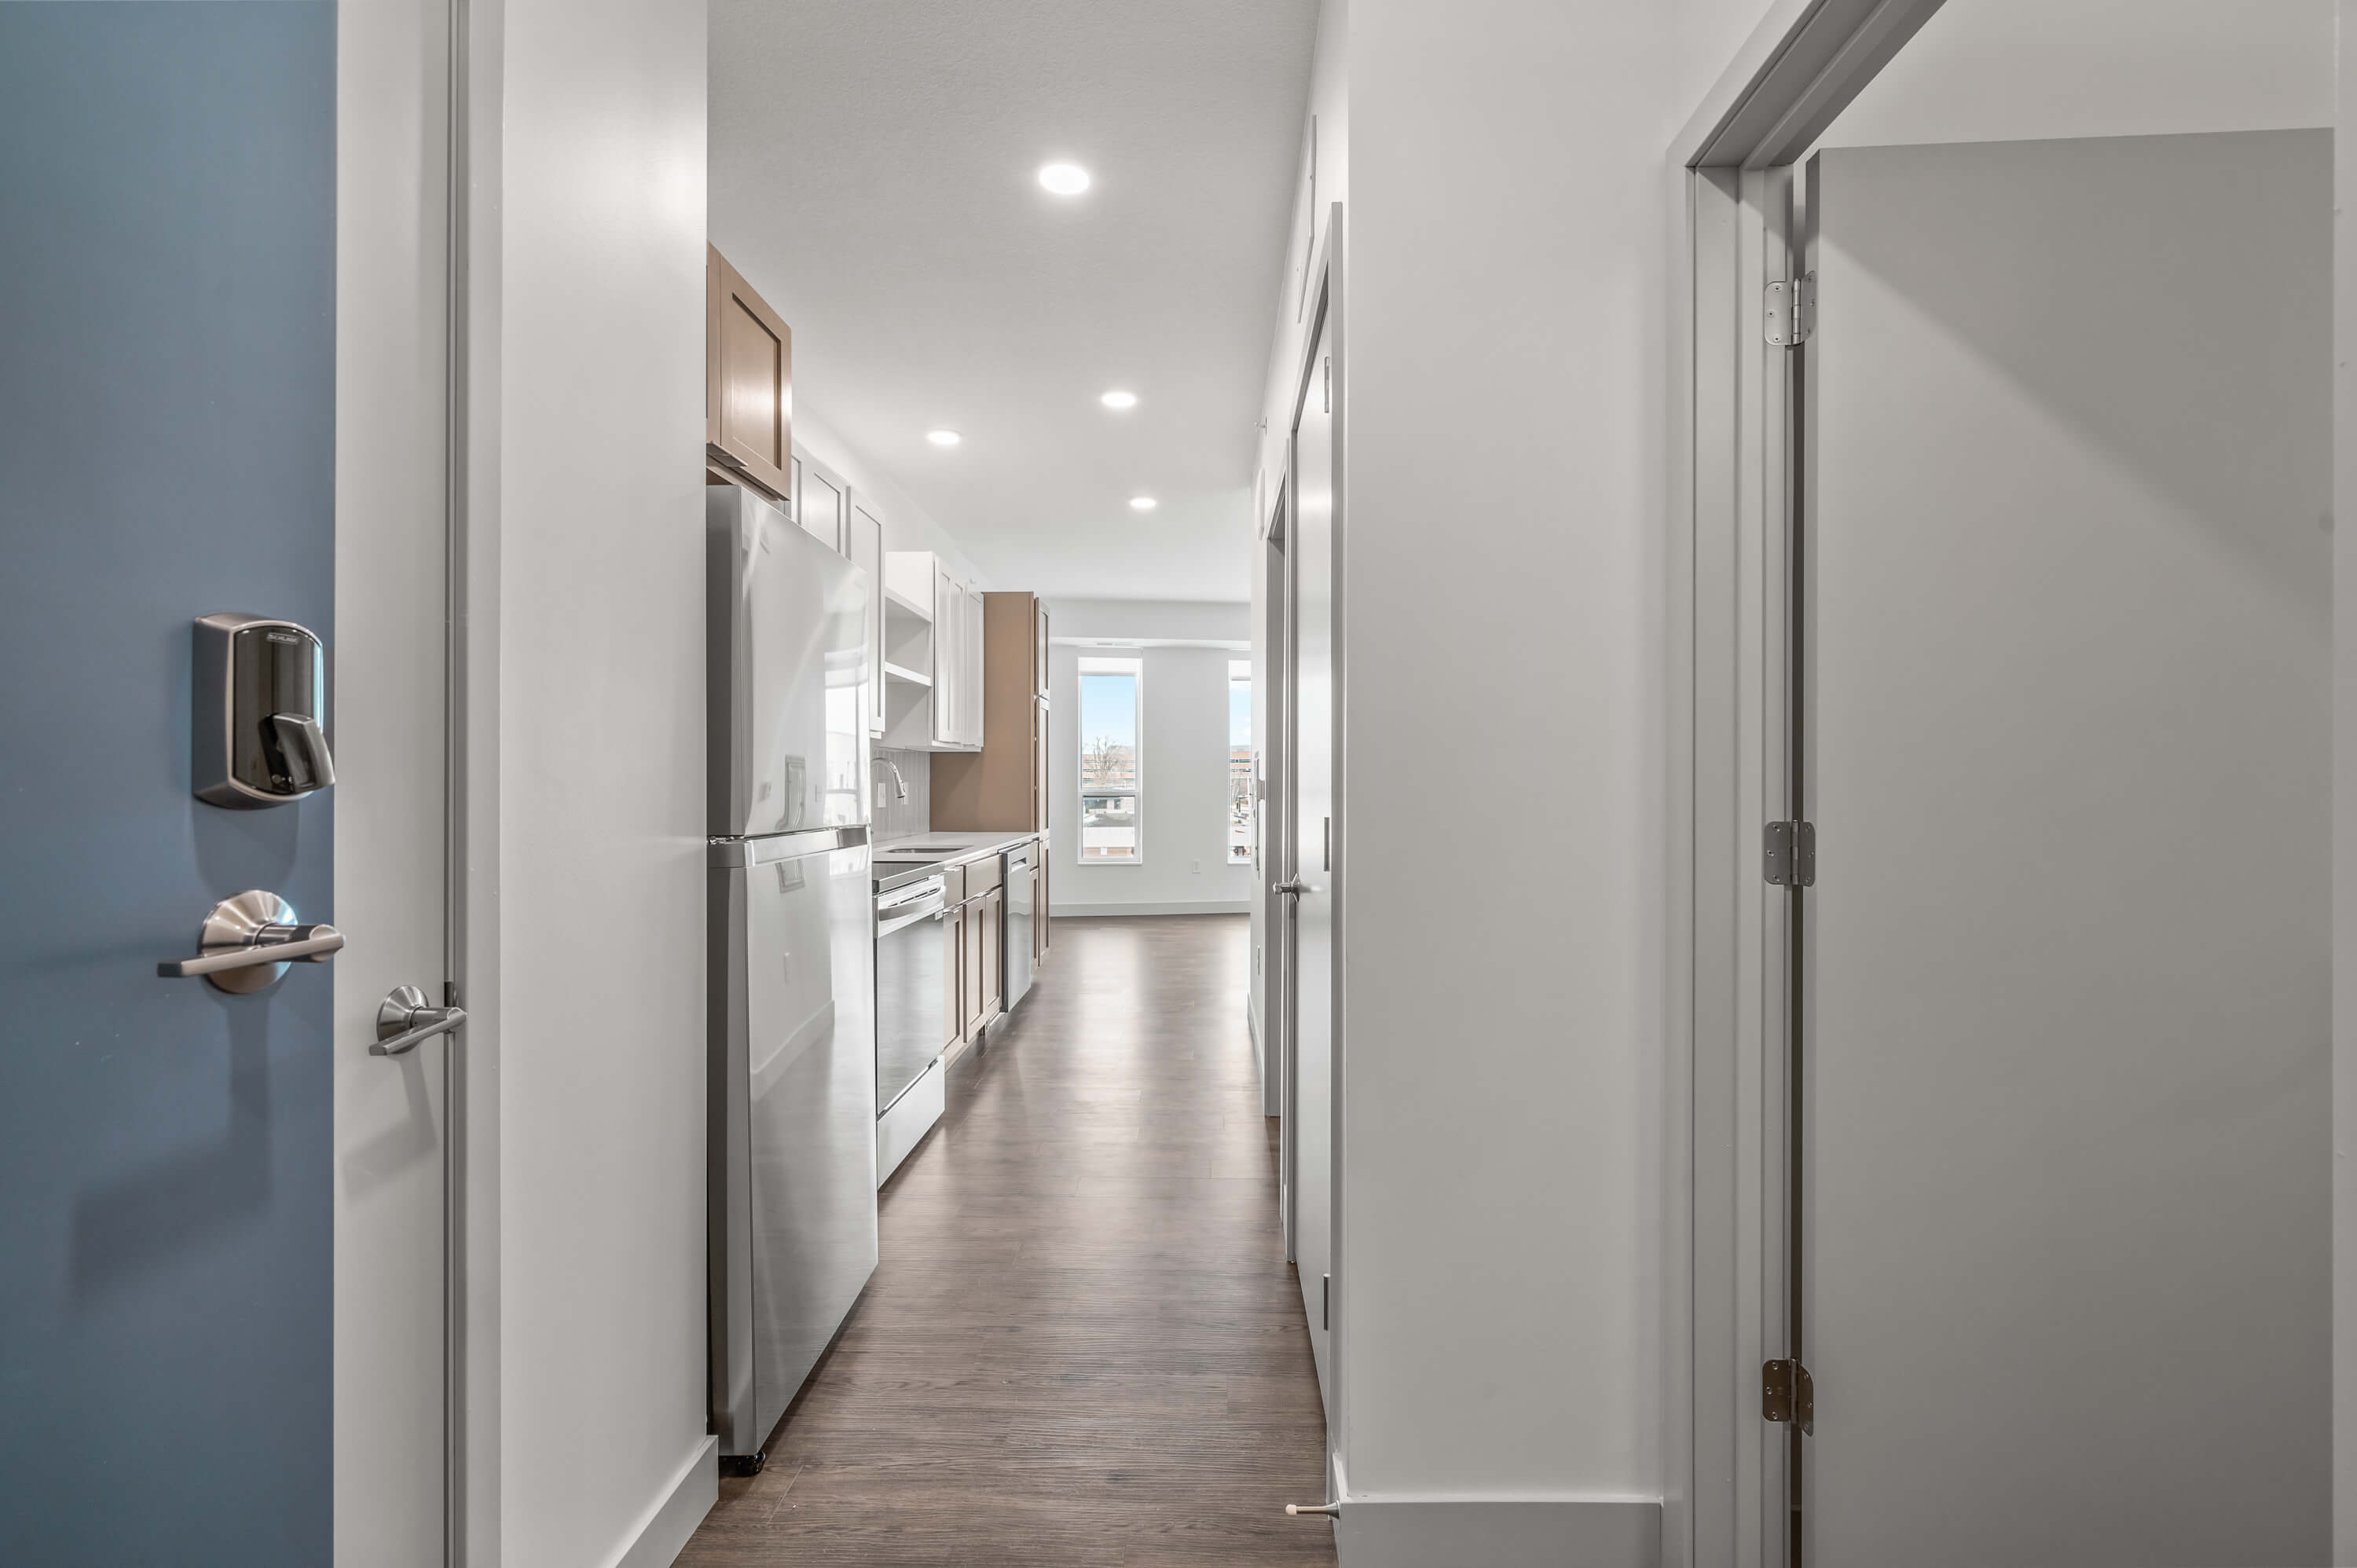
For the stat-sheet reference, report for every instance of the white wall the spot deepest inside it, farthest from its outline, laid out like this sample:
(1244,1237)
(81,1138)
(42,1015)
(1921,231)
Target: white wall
(1500,1237)
(1499,1232)
(1183,781)
(1330,118)
(1131,621)
(602,667)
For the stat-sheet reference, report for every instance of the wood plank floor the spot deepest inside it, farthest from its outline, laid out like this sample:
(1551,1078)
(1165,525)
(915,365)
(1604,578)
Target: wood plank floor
(1084,1345)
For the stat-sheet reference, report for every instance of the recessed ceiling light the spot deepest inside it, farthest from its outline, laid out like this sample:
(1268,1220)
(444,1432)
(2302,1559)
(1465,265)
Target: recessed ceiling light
(943,437)
(1141,503)
(1118,399)
(1063,179)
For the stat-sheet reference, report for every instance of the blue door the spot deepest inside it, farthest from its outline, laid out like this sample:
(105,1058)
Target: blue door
(166,434)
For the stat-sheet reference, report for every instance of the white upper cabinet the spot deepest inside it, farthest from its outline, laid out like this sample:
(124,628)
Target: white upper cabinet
(864,544)
(933,656)
(822,503)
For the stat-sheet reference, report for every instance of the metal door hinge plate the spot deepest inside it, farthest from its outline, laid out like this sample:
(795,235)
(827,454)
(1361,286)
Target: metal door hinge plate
(1792,311)
(1326,1303)
(1787,1395)
(1791,854)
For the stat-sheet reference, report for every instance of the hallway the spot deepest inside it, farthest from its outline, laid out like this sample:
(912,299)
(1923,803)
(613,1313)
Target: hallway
(1084,1345)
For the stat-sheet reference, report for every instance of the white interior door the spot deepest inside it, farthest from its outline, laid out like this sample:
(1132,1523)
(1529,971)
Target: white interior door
(391,1113)
(2066,723)
(1309,851)
(1276,1014)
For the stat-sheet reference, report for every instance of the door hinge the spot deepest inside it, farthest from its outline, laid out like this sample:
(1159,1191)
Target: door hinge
(1326,386)
(1787,1396)
(1792,311)
(1791,854)
(1325,1303)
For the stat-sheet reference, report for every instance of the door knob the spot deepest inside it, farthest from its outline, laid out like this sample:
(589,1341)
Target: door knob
(403,1019)
(247,941)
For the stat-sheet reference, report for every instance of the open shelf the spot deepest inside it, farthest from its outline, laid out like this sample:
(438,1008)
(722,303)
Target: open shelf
(896,673)
(903,602)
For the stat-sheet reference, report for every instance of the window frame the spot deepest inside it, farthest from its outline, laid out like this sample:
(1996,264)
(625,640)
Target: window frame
(1131,663)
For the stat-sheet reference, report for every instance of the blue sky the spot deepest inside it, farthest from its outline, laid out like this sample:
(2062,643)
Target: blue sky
(1108,709)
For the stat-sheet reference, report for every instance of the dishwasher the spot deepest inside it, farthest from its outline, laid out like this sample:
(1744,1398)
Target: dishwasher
(912,1018)
(1022,892)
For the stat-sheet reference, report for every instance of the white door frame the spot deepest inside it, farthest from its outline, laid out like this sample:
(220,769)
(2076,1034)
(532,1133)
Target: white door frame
(472,508)
(470,549)
(1728,185)
(1323,297)
(1271,851)
(1726,1000)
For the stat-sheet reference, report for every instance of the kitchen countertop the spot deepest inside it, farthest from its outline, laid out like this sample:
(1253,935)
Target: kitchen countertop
(961,847)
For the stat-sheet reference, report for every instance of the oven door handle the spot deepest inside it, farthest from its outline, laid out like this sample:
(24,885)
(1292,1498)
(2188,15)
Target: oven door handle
(901,917)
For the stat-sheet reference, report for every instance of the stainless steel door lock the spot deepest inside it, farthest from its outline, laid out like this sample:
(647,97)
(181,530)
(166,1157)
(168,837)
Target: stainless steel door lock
(259,736)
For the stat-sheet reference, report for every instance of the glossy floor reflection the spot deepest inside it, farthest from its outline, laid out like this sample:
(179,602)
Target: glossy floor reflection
(1084,1345)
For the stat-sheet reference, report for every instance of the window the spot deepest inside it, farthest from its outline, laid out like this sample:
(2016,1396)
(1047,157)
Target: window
(1244,822)
(1111,821)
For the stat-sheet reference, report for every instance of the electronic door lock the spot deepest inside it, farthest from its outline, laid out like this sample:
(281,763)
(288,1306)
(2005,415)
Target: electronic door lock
(259,734)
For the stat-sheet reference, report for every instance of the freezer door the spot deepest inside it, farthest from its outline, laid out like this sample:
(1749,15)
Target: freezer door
(794,1136)
(788,670)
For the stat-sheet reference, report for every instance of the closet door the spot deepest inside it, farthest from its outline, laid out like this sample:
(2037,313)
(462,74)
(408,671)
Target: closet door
(2066,724)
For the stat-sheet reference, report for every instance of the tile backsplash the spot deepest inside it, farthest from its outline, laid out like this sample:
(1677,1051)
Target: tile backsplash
(896,818)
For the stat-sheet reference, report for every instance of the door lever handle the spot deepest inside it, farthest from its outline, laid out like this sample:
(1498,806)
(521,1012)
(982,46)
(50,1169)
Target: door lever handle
(272,944)
(246,943)
(1293,886)
(403,1021)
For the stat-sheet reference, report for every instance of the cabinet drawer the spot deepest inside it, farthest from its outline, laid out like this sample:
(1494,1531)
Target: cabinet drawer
(981,875)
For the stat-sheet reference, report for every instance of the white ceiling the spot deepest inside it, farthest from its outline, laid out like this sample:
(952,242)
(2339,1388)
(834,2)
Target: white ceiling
(872,174)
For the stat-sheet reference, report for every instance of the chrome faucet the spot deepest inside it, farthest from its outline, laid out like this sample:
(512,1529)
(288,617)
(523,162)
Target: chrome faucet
(899,785)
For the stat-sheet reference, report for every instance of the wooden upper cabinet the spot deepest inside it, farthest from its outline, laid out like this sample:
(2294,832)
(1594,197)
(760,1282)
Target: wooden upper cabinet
(748,381)
(1039,649)
(1004,786)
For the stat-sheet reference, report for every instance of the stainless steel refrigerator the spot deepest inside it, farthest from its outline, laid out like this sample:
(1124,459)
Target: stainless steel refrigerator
(791,1209)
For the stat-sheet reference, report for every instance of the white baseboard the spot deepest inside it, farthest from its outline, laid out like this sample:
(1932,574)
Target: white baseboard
(1499,1532)
(1208,907)
(663,1535)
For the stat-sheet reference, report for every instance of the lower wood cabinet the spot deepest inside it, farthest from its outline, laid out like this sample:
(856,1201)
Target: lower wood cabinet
(993,957)
(970,967)
(954,1010)
(975,932)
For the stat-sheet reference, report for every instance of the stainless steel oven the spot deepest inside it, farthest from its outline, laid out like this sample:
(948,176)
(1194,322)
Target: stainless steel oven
(911,1018)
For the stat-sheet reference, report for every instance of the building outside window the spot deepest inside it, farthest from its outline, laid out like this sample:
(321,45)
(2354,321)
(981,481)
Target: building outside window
(1244,822)
(1112,819)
